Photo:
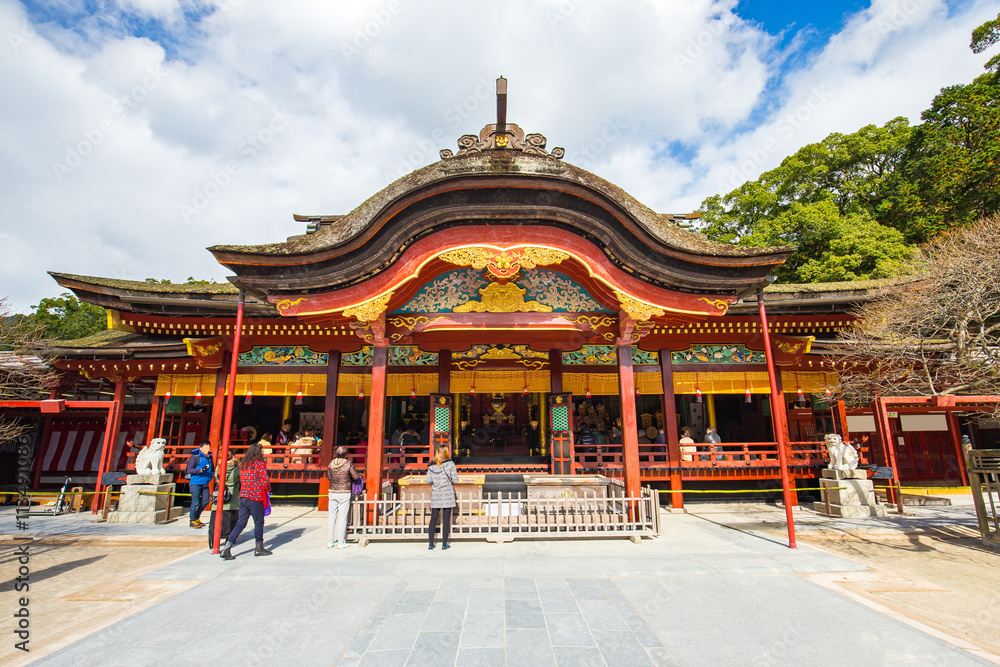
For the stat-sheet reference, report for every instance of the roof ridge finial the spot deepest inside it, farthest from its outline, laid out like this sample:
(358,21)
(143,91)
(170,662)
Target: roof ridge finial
(501,105)
(503,135)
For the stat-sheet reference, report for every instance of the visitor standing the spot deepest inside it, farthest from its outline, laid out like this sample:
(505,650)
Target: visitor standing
(255,489)
(199,473)
(230,503)
(443,477)
(341,473)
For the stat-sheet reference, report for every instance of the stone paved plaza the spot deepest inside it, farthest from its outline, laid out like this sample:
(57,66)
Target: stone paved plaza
(701,594)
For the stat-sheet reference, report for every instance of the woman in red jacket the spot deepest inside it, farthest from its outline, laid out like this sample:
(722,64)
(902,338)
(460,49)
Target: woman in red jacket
(255,487)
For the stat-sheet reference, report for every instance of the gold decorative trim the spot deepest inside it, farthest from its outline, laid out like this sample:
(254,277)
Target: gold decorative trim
(500,353)
(284,304)
(640,311)
(403,321)
(466,365)
(369,310)
(535,364)
(719,304)
(502,298)
(595,321)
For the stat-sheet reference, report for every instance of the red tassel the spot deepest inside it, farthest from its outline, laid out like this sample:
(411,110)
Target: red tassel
(747,396)
(248,400)
(697,395)
(298,398)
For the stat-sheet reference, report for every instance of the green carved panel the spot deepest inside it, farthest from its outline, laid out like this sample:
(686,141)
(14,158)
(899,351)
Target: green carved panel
(591,355)
(718,354)
(411,355)
(402,355)
(282,356)
(363,357)
(643,358)
(559,292)
(445,292)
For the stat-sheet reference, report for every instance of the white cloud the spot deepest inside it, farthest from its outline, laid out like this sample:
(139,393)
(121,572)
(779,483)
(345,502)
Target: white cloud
(316,105)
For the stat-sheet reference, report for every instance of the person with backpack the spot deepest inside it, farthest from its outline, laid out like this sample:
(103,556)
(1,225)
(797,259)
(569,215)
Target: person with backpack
(199,473)
(443,477)
(341,474)
(255,490)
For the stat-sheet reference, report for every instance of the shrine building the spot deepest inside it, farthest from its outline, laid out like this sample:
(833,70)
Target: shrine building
(527,313)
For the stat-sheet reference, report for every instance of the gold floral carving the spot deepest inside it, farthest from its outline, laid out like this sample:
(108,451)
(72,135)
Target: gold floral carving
(502,298)
(503,263)
(532,257)
(284,304)
(500,353)
(640,311)
(207,350)
(720,304)
(369,310)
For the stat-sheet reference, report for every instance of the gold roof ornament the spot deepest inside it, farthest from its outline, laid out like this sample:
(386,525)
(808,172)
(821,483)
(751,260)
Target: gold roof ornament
(640,311)
(369,310)
(503,136)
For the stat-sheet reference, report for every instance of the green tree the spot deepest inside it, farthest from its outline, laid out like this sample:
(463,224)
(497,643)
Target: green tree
(950,175)
(66,317)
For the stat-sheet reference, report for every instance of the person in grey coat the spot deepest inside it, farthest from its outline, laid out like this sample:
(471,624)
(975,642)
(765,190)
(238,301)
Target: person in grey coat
(443,476)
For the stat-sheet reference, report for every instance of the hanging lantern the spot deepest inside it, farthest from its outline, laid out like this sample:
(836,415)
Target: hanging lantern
(298,398)
(413,387)
(588,393)
(802,397)
(197,399)
(166,396)
(697,388)
(472,389)
(746,396)
(697,395)
(248,400)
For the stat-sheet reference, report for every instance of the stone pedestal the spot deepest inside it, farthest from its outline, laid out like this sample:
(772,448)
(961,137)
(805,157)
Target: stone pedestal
(848,494)
(146,499)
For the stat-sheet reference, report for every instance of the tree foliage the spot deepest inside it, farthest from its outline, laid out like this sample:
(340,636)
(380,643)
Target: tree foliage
(856,205)
(941,336)
(66,317)
(23,376)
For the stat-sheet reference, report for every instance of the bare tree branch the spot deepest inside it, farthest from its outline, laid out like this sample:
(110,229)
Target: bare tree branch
(23,375)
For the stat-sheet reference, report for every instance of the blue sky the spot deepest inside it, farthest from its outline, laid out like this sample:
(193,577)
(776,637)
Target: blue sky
(132,137)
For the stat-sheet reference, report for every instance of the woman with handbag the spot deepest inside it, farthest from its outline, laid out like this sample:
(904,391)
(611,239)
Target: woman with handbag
(230,501)
(255,494)
(443,477)
(341,474)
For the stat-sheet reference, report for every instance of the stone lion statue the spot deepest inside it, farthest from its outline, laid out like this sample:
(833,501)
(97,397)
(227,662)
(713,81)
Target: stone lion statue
(842,455)
(149,460)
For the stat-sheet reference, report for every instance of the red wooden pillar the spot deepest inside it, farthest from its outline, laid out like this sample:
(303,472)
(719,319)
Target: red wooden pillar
(780,420)
(227,419)
(630,428)
(955,431)
(555,372)
(884,434)
(444,372)
(218,410)
(110,440)
(670,429)
(331,415)
(153,430)
(42,449)
(376,423)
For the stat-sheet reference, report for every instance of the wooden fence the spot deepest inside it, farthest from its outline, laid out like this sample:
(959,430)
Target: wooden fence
(983,466)
(502,517)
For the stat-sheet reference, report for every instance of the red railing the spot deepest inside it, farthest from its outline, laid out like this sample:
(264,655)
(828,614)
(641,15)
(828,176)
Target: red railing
(590,458)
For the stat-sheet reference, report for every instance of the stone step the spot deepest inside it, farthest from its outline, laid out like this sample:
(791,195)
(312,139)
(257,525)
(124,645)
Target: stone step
(914,501)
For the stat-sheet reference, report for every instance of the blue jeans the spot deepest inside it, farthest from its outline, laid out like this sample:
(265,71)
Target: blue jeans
(249,508)
(199,500)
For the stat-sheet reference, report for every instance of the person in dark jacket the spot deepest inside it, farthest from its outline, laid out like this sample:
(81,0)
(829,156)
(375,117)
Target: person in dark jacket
(199,473)
(443,477)
(255,488)
(230,508)
(341,473)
